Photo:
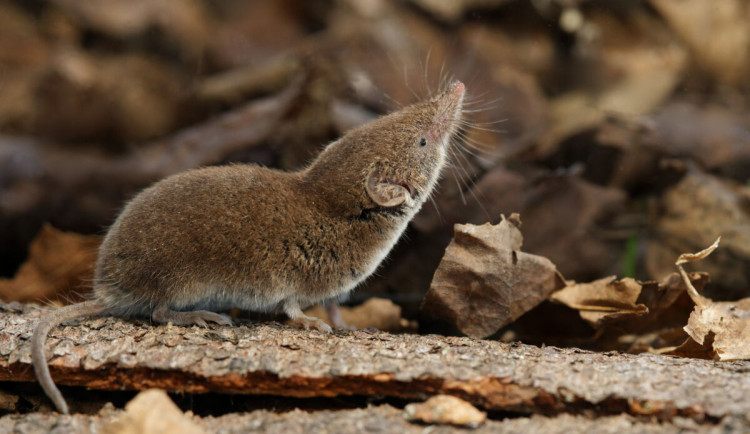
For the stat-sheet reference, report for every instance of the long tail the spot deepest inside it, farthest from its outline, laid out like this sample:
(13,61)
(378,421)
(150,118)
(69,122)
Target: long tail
(39,359)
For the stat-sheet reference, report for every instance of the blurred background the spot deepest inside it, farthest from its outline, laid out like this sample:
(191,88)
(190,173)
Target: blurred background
(619,130)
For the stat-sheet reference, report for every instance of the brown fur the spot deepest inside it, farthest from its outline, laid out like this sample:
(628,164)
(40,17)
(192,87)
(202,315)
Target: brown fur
(261,239)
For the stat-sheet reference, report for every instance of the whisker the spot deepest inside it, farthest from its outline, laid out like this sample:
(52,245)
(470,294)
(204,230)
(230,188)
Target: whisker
(478,110)
(479,202)
(476,148)
(475,98)
(398,65)
(408,85)
(426,69)
(470,151)
(397,105)
(442,83)
(481,104)
(458,182)
(464,171)
(468,140)
(437,209)
(470,188)
(472,123)
(492,130)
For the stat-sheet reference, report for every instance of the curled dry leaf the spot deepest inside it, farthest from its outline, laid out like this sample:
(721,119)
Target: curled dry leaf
(728,322)
(58,265)
(660,296)
(630,304)
(445,409)
(689,216)
(603,299)
(656,342)
(692,349)
(485,282)
(152,412)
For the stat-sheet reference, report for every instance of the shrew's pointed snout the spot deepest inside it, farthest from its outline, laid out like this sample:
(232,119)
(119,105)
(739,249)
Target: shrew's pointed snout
(453,96)
(454,99)
(458,89)
(448,114)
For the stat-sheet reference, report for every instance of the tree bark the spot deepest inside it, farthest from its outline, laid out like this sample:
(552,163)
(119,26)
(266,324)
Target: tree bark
(383,418)
(269,358)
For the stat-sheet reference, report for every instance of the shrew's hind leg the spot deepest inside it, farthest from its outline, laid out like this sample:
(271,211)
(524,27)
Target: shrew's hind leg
(293,311)
(334,316)
(164,314)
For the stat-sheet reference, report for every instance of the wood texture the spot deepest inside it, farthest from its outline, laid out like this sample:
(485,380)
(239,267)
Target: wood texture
(383,418)
(252,358)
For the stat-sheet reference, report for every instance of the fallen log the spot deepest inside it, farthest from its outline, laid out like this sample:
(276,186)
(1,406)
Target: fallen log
(269,358)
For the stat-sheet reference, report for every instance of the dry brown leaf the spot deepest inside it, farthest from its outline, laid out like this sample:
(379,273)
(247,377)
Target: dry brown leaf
(485,282)
(78,88)
(729,322)
(692,349)
(58,267)
(602,300)
(640,63)
(8,402)
(669,308)
(569,216)
(691,214)
(186,23)
(445,409)
(716,32)
(659,296)
(23,52)
(251,33)
(714,136)
(657,342)
(631,305)
(152,412)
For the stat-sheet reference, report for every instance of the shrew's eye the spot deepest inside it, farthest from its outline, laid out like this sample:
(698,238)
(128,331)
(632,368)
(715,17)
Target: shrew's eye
(422,142)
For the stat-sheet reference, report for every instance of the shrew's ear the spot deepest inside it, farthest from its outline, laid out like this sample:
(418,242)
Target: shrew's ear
(386,192)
